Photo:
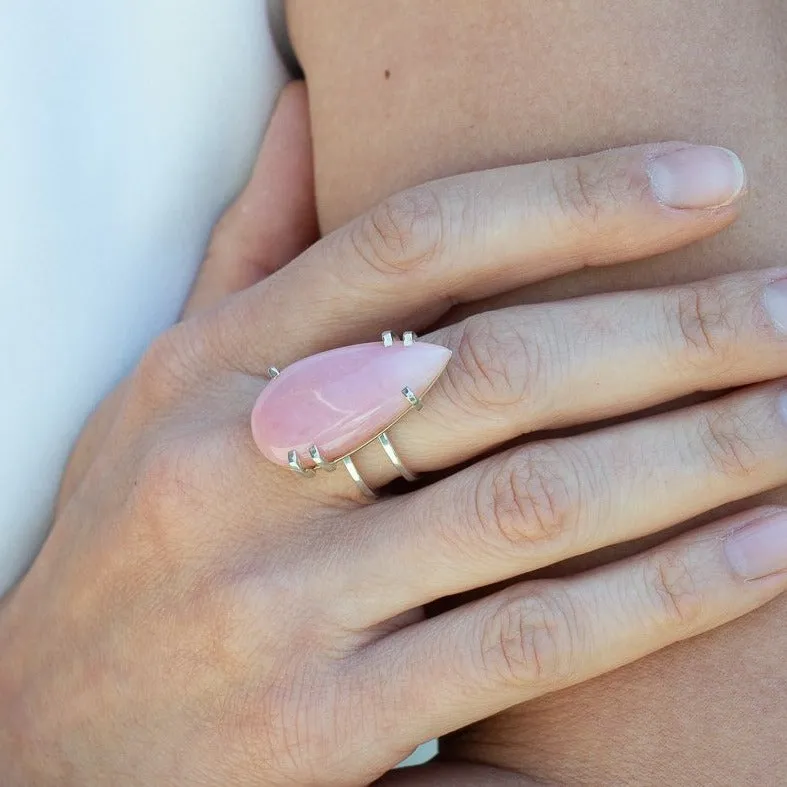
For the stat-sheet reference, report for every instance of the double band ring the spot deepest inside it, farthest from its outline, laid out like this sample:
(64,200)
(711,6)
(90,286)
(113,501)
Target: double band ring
(317,413)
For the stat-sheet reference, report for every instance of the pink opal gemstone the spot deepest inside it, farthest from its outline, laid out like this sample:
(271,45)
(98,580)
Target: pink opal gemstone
(341,399)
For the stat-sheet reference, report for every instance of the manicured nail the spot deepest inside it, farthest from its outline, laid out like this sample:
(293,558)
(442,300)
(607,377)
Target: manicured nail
(776,303)
(759,549)
(697,177)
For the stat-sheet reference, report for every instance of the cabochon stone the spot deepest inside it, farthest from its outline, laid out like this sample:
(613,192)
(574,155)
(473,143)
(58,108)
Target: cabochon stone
(340,399)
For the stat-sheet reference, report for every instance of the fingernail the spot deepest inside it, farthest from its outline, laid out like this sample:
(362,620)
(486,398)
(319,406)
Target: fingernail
(697,177)
(759,549)
(776,303)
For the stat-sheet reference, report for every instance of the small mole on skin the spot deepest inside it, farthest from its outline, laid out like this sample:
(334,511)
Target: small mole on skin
(387,74)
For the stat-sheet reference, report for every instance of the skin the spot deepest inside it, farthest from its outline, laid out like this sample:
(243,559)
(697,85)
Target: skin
(221,620)
(414,89)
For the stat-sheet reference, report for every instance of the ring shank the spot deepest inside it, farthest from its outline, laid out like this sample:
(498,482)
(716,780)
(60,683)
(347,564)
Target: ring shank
(352,470)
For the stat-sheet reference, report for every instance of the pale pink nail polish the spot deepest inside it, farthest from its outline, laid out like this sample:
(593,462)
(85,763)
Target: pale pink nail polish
(697,177)
(759,549)
(340,399)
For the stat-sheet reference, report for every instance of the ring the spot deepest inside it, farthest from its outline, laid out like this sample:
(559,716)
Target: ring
(317,413)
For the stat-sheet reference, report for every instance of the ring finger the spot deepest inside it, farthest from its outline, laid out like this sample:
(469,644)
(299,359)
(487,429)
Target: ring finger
(524,369)
(547,501)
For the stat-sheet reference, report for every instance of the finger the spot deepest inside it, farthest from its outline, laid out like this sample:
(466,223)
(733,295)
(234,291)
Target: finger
(524,369)
(542,636)
(551,500)
(406,261)
(274,219)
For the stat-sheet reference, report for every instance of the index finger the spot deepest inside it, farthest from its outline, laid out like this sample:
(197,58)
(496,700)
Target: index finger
(406,261)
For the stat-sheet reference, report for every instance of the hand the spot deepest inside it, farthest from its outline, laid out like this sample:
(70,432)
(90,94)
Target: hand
(202,616)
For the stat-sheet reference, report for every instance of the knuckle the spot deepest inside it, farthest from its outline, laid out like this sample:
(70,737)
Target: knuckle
(166,370)
(530,640)
(401,234)
(280,752)
(156,514)
(699,318)
(165,481)
(494,366)
(589,189)
(672,589)
(730,441)
(527,502)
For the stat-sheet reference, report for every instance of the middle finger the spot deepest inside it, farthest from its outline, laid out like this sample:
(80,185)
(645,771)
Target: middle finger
(551,500)
(524,369)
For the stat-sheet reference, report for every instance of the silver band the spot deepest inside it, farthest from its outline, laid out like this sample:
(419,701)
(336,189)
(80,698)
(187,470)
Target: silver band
(394,459)
(358,478)
(390,452)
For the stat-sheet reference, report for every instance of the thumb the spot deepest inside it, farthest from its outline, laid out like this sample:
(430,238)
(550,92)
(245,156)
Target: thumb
(274,219)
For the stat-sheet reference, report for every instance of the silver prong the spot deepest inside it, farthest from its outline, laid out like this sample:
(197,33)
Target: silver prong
(408,338)
(389,337)
(316,456)
(273,372)
(295,463)
(393,457)
(412,398)
(358,478)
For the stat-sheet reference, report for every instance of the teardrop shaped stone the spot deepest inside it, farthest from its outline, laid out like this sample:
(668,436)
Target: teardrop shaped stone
(341,399)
